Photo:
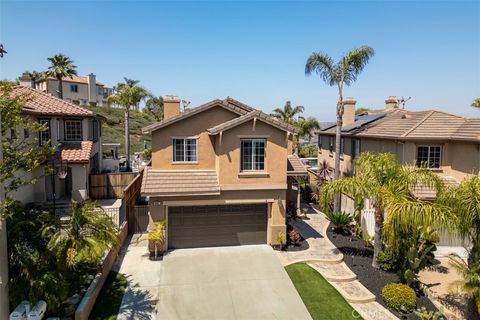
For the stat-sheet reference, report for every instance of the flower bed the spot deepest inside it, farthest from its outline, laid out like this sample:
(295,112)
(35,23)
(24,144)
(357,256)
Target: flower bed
(358,257)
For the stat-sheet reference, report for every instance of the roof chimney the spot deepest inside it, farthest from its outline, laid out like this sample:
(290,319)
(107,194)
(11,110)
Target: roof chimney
(92,88)
(171,106)
(349,111)
(391,103)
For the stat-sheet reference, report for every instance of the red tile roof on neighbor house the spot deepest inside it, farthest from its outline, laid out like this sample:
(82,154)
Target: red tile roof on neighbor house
(75,152)
(46,104)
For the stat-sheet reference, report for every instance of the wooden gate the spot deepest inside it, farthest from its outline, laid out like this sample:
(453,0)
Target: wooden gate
(109,185)
(140,218)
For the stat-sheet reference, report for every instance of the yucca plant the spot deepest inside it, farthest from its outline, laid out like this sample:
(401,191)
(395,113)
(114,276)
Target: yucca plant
(157,235)
(341,220)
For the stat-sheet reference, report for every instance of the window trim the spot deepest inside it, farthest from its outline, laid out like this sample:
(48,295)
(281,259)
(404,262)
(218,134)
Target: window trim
(49,131)
(265,141)
(184,150)
(354,154)
(65,129)
(428,155)
(74,86)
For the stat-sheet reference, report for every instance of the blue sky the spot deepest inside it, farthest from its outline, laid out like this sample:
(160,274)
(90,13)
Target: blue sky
(256,51)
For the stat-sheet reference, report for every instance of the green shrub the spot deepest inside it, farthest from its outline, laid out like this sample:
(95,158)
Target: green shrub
(388,260)
(424,314)
(340,220)
(399,297)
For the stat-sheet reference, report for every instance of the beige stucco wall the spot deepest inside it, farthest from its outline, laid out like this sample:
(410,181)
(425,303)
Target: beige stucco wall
(79,181)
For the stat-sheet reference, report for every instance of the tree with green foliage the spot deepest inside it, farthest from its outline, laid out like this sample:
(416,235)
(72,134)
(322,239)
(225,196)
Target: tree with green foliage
(86,235)
(339,74)
(388,186)
(361,110)
(476,103)
(61,67)
(306,127)
(154,106)
(471,277)
(35,77)
(288,113)
(128,95)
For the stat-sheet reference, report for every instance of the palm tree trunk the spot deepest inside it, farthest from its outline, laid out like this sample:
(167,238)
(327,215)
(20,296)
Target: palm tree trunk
(127,137)
(377,245)
(474,254)
(60,88)
(338,137)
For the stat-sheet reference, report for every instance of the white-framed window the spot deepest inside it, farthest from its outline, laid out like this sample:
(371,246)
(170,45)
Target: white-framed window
(44,136)
(74,88)
(73,130)
(252,154)
(429,156)
(355,148)
(184,150)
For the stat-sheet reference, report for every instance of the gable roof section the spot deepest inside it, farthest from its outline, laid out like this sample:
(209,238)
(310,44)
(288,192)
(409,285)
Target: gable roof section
(256,114)
(75,152)
(245,112)
(45,104)
(295,166)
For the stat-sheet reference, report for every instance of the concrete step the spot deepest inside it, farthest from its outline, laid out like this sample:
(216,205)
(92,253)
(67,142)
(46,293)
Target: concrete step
(334,272)
(373,311)
(353,291)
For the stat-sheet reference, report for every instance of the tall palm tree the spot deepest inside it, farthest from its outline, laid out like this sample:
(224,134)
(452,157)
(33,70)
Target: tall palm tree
(61,67)
(305,128)
(84,237)
(476,103)
(288,113)
(35,77)
(388,186)
(154,105)
(128,95)
(339,74)
(464,200)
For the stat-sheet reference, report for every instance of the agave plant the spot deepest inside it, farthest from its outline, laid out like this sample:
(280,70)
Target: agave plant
(341,220)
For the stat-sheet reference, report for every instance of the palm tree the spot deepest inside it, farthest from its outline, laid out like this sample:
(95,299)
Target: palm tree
(128,95)
(61,67)
(388,186)
(476,103)
(154,105)
(84,237)
(288,113)
(305,128)
(339,74)
(464,200)
(35,77)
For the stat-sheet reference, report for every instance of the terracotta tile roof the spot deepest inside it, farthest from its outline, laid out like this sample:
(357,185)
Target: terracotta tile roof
(256,114)
(416,125)
(46,104)
(76,79)
(295,166)
(179,183)
(75,152)
(228,103)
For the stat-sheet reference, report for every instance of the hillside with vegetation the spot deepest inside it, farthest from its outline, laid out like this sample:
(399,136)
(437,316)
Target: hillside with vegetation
(113,130)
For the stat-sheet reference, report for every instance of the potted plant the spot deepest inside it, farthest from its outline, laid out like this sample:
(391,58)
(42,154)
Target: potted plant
(156,237)
(305,211)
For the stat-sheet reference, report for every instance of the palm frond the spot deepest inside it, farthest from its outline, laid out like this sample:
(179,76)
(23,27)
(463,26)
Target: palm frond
(353,63)
(323,65)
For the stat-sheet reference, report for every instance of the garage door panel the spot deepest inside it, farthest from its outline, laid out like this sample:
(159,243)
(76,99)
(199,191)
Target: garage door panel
(204,226)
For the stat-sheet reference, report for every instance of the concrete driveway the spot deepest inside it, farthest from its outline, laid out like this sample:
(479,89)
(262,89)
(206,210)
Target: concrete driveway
(245,282)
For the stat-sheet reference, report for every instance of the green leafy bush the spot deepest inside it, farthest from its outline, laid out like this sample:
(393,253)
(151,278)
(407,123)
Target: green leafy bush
(388,260)
(424,314)
(341,220)
(399,297)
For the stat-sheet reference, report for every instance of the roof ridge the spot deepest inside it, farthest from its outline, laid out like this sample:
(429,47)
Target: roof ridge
(418,123)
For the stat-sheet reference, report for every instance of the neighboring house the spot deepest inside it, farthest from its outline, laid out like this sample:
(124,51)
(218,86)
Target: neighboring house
(76,132)
(80,90)
(220,174)
(447,143)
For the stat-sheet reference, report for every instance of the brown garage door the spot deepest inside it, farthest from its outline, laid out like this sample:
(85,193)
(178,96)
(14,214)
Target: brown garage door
(208,226)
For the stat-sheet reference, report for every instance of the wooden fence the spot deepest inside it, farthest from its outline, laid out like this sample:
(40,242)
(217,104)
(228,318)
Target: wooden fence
(109,185)
(132,193)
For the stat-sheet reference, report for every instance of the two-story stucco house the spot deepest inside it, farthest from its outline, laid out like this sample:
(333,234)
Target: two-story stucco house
(76,132)
(447,143)
(81,90)
(219,174)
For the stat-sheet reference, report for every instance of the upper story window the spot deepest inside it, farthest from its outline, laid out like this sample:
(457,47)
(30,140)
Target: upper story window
(342,146)
(253,154)
(184,150)
(44,136)
(429,156)
(355,148)
(331,144)
(320,144)
(73,130)
(74,88)
(94,131)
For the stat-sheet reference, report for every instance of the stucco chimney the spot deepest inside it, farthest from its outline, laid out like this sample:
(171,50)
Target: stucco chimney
(92,88)
(171,106)
(391,103)
(349,111)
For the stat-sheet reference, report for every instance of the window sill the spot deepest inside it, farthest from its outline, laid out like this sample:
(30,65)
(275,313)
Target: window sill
(253,174)
(184,162)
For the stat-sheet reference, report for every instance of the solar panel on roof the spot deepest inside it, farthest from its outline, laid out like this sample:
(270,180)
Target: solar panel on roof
(362,120)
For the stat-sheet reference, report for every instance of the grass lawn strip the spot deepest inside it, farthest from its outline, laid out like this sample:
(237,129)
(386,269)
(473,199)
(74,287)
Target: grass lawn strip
(108,302)
(321,299)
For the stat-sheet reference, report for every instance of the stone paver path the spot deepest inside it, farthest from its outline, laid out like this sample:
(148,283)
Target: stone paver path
(324,257)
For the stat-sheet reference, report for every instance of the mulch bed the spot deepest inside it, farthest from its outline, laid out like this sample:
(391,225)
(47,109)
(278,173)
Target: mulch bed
(358,257)
(302,244)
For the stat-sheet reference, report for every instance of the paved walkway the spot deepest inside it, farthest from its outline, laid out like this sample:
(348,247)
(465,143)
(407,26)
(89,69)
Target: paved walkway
(324,257)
